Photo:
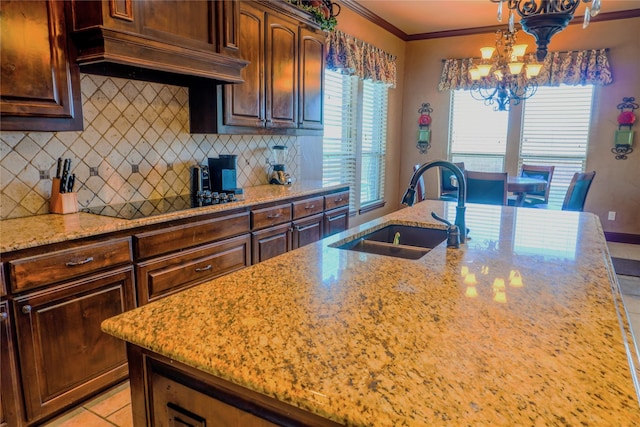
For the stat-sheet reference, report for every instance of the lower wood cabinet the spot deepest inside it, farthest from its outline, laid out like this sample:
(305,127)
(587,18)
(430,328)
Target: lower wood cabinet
(9,389)
(336,220)
(63,354)
(271,242)
(166,393)
(306,231)
(166,275)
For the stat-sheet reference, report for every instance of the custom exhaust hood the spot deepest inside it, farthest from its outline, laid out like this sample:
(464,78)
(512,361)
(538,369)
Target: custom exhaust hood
(169,41)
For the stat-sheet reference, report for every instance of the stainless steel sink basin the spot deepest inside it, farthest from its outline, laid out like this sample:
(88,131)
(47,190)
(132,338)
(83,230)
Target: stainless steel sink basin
(412,242)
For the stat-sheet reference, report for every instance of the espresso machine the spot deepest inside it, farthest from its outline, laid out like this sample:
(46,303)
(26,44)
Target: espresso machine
(223,174)
(277,174)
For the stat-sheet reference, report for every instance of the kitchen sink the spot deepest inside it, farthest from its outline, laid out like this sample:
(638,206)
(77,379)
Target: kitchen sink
(411,243)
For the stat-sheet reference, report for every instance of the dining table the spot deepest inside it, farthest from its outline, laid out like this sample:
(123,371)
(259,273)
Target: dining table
(521,185)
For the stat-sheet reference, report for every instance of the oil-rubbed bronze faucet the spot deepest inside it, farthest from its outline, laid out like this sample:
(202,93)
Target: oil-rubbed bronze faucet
(409,197)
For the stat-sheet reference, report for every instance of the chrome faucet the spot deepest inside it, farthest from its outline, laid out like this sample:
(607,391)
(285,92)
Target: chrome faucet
(409,197)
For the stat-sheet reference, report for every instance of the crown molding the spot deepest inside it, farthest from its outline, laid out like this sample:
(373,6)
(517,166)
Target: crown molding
(370,16)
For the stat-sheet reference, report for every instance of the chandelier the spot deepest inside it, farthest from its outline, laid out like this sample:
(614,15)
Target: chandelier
(508,77)
(544,18)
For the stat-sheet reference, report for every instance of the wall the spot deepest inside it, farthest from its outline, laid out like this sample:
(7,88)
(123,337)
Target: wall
(355,25)
(617,183)
(126,122)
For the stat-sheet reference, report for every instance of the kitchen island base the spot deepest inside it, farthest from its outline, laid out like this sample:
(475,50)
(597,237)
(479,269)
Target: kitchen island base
(168,393)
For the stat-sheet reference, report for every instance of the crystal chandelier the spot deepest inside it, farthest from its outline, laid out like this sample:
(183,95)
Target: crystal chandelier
(508,77)
(544,18)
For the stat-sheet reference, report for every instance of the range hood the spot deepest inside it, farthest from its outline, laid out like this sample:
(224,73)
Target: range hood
(107,52)
(170,41)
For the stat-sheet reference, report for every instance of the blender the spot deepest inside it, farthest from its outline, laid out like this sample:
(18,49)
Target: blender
(277,174)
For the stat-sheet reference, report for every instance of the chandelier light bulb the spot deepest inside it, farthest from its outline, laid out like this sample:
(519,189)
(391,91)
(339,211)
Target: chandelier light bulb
(487,52)
(484,69)
(518,50)
(515,67)
(475,74)
(533,70)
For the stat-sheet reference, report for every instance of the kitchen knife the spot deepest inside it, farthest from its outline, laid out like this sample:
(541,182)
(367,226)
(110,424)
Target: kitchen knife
(65,175)
(72,182)
(59,168)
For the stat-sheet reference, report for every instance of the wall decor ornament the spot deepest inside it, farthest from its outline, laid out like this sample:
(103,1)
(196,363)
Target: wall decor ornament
(624,135)
(424,131)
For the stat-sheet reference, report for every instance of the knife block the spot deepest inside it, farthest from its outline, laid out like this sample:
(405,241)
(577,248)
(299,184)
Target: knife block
(62,203)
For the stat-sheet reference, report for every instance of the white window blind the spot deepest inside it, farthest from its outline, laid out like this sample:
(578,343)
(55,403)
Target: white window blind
(555,131)
(354,143)
(477,133)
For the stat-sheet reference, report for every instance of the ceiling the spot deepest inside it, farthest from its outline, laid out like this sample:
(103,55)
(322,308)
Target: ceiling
(413,17)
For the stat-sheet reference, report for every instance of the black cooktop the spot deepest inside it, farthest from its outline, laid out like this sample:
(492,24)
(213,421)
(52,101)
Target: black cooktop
(147,208)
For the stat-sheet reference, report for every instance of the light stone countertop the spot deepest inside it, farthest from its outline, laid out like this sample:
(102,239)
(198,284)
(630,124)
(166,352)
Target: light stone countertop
(365,339)
(39,230)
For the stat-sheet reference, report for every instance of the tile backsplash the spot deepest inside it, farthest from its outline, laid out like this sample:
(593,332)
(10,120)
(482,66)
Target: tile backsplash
(128,125)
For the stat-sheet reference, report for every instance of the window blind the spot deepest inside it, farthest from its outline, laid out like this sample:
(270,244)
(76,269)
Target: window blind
(555,131)
(373,147)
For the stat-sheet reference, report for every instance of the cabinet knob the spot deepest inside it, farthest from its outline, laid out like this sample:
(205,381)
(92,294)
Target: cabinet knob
(26,309)
(4,316)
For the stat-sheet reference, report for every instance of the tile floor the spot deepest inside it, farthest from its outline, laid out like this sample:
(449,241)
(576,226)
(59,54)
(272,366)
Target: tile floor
(113,408)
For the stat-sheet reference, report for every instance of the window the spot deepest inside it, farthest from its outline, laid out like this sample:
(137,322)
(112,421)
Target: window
(477,134)
(355,134)
(551,133)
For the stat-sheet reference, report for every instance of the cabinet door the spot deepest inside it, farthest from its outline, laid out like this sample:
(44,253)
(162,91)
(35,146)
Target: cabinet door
(270,242)
(39,85)
(336,221)
(311,78)
(9,408)
(166,275)
(281,73)
(307,230)
(64,355)
(244,102)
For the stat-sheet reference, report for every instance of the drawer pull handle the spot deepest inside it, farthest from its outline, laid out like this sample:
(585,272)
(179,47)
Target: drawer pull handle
(310,207)
(338,200)
(200,270)
(26,309)
(4,316)
(276,215)
(76,263)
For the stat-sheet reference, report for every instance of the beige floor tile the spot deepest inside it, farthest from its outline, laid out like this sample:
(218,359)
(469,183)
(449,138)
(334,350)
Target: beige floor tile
(624,250)
(111,401)
(79,418)
(632,304)
(122,418)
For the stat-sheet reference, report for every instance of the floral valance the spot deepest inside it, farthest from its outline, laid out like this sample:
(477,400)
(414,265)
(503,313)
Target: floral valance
(571,68)
(351,56)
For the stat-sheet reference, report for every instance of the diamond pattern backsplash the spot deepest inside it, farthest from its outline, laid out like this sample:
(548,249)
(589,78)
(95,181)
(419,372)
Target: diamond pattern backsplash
(128,125)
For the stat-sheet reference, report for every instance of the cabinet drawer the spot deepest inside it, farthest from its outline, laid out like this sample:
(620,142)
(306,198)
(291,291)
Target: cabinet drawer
(267,217)
(40,270)
(336,200)
(166,275)
(171,239)
(307,207)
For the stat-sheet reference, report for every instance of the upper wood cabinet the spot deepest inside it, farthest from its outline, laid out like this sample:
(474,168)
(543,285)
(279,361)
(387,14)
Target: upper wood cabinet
(39,82)
(181,37)
(282,89)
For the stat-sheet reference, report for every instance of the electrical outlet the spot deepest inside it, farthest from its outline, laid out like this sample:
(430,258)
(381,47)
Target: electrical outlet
(612,216)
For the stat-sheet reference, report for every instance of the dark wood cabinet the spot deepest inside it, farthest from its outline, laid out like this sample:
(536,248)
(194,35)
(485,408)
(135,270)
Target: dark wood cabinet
(336,215)
(163,276)
(10,414)
(168,393)
(271,242)
(307,230)
(64,356)
(283,83)
(39,82)
(142,39)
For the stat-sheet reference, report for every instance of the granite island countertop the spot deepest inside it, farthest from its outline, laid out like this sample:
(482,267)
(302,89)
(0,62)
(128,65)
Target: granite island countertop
(39,230)
(366,339)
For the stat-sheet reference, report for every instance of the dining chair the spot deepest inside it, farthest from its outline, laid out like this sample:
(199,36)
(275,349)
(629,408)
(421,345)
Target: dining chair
(420,195)
(489,188)
(448,191)
(539,172)
(577,192)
